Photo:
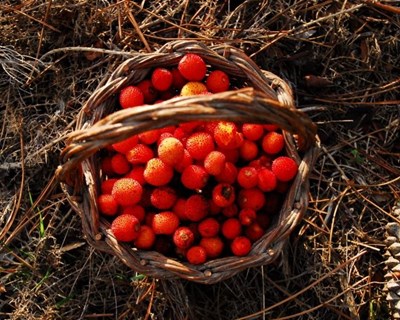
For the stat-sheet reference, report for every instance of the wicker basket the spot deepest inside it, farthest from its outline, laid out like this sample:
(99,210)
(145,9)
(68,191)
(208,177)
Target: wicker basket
(265,99)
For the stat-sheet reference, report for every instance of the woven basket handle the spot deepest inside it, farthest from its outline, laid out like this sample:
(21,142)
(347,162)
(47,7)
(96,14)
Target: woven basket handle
(243,105)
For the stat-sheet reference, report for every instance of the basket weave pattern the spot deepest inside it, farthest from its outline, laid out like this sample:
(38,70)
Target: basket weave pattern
(265,98)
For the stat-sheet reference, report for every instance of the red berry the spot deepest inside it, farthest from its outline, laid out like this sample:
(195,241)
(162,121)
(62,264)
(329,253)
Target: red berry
(247,216)
(137,174)
(179,208)
(271,127)
(209,227)
(193,88)
(127,192)
(225,135)
(178,81)
(157,172)
(125,228)
(266,180)
(248,150)
(192,67)
(131,96)
(240,246)
(254,231)
(252,198)
(107,204)
(106,167)
(284,168)
(213,246)
(214,162)
(183,237)
(196,255)
(163,197)
(136,210)
(139,154)
(119,164)
(196,207)
(217,81)
(149,137)
(230,211)
(149,92)
(161,79)
(252,131)
(223,194)
(231,228)
(194,177)
(247,177)
(165,222)
(171,151)
(125,145)
(145,239)
(228,174)
(186,161)
(199,145)
(107,185)
(273,142)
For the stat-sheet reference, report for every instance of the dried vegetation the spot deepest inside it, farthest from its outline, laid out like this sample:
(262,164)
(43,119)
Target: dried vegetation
(341,57)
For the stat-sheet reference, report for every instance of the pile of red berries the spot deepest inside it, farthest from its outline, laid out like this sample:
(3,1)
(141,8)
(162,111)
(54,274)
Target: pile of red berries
(199,190)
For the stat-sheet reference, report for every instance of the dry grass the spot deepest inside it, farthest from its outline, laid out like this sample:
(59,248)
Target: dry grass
(341,57)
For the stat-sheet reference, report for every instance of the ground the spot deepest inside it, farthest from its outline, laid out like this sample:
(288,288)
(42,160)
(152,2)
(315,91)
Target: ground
(341,59)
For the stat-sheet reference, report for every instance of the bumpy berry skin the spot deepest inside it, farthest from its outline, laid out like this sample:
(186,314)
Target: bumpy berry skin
(120,164)
(252,198)
(193,88)
(266,180)
(252,131)
(284,168)
(225,134)
(125,145)
(139,154)
(127,192)
(179,208)
(192,67)
(194,177)
(217,81)
(214,162)
(241,246)
(273,143)
(196,207)
(145,239)
(231,228)
(165,222)
(157,172)
(247,177)
(163,197)
(223,195)
(213,246)
(209,227)
(107,204)
(125,227)
(131,96)
(161,79)
(199,145)
(196,255)
(183,237)
(171,151)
